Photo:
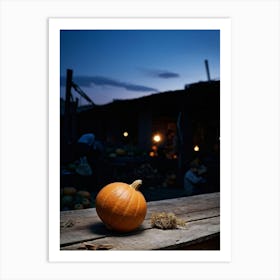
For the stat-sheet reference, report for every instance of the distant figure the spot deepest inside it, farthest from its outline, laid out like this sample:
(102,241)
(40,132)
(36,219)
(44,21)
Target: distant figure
(85,144)
(89,152)
(193,179)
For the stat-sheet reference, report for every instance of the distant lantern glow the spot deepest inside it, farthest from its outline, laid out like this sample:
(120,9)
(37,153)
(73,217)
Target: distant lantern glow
(196,148)
(157,138)
(152,154)
(154,148)
(125,134)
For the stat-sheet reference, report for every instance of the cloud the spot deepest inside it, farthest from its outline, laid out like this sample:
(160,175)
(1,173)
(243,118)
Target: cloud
(167,75)
(164,74)
(86,81)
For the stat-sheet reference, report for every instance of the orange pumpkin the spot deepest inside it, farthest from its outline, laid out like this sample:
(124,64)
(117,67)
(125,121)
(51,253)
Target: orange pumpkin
(85,194)
(121,207)
(69,191)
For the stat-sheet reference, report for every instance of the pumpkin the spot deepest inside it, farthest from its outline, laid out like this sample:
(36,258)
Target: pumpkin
(69,191)
(120,152)
(121,207)
(67,200)
(86,202)
(78,206)
(85,194)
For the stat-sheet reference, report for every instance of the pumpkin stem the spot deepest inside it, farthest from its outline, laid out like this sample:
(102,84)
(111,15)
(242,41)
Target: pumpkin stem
(136,184)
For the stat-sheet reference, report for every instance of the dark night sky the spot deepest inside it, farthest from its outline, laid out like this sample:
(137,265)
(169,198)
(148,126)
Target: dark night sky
(120,64)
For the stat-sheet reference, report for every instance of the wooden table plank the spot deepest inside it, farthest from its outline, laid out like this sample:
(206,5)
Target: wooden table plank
(201,213)
(155,239)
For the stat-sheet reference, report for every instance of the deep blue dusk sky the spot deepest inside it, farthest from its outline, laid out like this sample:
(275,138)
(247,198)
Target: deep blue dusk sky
(118,64)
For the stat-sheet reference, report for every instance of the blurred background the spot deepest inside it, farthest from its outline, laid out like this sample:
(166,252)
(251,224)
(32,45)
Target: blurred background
(123,126)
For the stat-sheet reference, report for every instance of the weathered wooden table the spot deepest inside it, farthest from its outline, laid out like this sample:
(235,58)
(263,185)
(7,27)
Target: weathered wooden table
(82,229)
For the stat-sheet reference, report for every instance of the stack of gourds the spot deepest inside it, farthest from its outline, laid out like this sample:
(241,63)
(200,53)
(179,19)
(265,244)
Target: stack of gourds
(73,199)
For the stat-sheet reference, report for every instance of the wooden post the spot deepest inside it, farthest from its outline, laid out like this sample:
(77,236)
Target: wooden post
(207,70)
(74,120)
(67,116)
(185,133)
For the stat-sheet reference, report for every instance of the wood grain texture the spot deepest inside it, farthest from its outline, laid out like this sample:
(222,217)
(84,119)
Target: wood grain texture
(201,213)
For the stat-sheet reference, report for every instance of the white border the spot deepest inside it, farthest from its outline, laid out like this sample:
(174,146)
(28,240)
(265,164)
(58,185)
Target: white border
(55,25)
(255,139)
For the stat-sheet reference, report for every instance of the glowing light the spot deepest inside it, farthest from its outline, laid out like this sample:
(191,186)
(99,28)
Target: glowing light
(157,138)
(154,148)
(125,134)
(152,154)
(196,148)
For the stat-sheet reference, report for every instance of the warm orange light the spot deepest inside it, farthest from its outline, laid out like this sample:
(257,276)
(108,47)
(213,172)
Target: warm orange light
(154,148)
(196,148)
(152,154)
(125,134)
(157,138)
